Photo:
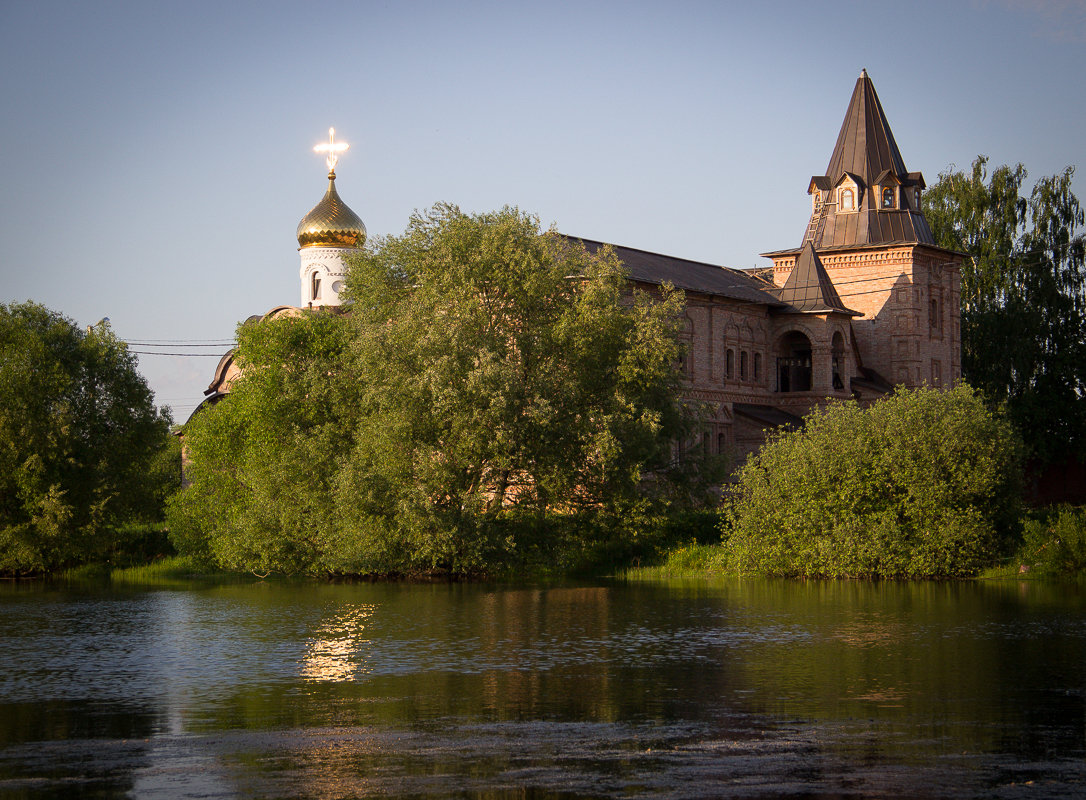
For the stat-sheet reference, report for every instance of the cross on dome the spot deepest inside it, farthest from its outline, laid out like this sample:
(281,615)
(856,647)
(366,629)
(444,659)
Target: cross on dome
(332,148)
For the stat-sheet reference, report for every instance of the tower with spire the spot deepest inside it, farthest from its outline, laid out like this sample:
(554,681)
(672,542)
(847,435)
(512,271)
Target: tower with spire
(868,233)
(328,233)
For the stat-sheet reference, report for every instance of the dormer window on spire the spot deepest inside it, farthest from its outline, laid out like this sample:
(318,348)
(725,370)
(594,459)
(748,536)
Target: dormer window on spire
(848,194)
(887,186)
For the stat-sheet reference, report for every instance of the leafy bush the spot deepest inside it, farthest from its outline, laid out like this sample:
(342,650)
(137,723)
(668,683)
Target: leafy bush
(924,483)
(1055,542)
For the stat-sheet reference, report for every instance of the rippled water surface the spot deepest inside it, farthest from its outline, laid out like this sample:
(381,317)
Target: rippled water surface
(685,689)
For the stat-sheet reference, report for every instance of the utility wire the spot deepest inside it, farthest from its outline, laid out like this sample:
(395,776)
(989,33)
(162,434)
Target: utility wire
(181,355)
(177,344)
(179,341)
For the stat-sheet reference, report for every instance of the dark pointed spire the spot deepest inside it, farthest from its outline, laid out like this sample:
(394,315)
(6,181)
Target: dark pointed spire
(809,288)
(867,195)
(865,145)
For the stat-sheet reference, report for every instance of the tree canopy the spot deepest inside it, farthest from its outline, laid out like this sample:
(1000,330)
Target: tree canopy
(82,446)
(924,483)
(1023,307)
(486,374)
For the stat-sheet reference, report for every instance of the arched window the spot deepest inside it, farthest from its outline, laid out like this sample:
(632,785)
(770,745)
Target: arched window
(887,197)
(686,342)
(794,363)
(743,358)
(729,364)
(757,367)
(316,288)
(848,200)
(838,362)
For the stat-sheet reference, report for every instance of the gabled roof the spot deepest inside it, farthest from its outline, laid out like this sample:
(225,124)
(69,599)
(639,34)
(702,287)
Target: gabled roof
(867,152)
(852,176)
(691,276)
(809,288)
(887,176)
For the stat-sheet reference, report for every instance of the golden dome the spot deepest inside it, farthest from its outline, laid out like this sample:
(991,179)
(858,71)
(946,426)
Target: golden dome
(331,223)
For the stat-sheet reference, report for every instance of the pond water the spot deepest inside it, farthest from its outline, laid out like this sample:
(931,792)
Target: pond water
(605,689)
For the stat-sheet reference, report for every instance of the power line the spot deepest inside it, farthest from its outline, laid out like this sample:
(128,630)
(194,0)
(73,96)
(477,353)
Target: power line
(179,341)
(177,344)
(180,355)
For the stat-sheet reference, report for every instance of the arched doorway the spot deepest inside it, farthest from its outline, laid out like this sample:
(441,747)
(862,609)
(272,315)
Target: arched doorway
(794,363)
(838,362)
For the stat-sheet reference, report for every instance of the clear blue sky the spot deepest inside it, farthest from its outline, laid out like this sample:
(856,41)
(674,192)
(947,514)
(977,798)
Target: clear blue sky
(155,158)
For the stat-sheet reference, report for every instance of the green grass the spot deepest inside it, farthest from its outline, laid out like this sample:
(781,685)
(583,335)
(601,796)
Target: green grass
(166,571)
(86,572)
(168,568)
(1010,571)
(686,561)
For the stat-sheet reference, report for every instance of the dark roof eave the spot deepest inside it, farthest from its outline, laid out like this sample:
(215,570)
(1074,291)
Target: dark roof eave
(792,251)
(769,415)
(848,312)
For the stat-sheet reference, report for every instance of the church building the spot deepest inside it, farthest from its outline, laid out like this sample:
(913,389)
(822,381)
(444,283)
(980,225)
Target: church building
(865,302)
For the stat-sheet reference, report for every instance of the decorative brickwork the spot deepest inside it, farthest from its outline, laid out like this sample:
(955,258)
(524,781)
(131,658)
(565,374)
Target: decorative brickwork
(901,335)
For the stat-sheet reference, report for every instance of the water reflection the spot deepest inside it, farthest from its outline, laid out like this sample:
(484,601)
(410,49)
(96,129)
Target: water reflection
(336,652)
(679,689)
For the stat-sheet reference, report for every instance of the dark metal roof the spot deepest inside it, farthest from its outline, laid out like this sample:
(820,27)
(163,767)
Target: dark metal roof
(865,146)
(768,415)
(871,380)
(866,150)
(872,227)
(691,276)
(809,288)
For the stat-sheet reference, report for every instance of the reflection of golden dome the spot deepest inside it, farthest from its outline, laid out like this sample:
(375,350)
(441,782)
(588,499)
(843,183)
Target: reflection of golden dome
(331,223)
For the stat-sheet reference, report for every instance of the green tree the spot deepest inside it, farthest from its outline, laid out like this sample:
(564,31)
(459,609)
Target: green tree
(924,483)
(488,379)
(81,441)
(506,371)
(1023,309)
(262,463)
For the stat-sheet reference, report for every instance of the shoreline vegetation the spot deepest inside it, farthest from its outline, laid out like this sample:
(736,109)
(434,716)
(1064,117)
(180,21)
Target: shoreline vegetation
(1053,549)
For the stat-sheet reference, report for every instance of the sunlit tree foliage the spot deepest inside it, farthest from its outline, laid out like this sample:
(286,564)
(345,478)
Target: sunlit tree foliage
(83,449)
(488,377)
(1023,306)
